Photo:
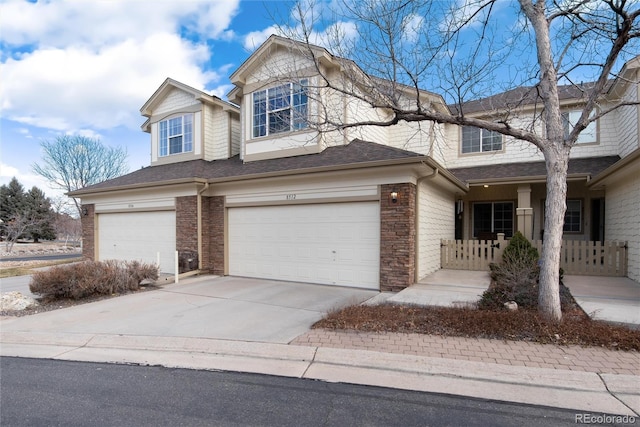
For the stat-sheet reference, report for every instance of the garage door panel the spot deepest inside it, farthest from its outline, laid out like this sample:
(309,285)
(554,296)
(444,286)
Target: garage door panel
(138,236)
(329,244)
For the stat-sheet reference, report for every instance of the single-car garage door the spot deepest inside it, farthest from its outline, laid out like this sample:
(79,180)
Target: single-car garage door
(138,236)
(332,244)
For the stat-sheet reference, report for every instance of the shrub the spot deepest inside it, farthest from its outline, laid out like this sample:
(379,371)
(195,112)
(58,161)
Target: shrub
(89,278)
(516,278)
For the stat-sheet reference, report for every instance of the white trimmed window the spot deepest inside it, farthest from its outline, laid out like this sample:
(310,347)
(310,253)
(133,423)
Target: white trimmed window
(573,217)
(279,109)
(476,140)
(176,135)
(588,135)
(492,218)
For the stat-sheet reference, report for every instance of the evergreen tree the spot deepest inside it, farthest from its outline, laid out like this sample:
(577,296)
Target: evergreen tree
(38,209)
(11,199)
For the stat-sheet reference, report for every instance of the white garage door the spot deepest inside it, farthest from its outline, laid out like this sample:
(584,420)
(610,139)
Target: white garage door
(138,236)
(333,244)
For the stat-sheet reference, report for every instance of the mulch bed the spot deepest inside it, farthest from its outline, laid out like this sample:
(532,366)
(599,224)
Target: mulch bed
(576,327)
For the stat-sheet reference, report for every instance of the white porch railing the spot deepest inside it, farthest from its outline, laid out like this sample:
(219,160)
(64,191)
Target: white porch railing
(577,256)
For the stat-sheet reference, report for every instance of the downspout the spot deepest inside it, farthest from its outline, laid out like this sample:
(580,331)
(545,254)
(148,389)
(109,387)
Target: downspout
(199,221)
(435,173)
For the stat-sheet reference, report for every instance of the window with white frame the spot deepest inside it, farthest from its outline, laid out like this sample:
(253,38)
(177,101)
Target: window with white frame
(492,217)
(476,140)
(176,135)
(573,217)
(588,135)
(282,108)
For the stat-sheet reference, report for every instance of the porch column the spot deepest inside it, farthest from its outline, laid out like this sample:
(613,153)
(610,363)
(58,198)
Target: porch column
(524,211)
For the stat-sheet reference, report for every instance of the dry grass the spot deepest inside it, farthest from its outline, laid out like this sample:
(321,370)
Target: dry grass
(576,327)
(23,268)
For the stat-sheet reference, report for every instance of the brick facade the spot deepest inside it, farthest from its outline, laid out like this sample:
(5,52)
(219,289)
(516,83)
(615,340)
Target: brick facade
(397,237)
(187,232)
(215,234)
(88,232)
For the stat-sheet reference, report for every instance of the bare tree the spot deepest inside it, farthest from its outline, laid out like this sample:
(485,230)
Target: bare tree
(74,162)
(460,50)
(17,225)
(68,228)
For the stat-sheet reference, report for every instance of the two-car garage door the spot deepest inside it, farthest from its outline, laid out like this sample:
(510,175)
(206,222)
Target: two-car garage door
(333,244)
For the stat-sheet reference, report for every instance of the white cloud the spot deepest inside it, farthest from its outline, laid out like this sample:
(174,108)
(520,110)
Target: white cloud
(412,26)
(255,38)
(68,89)
(66,22)
(28,180)
(341,33)
(75,67)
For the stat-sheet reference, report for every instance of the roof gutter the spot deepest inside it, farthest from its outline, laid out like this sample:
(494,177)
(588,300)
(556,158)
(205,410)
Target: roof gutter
(84,192)
(620,164)
(523,180)
(205,187)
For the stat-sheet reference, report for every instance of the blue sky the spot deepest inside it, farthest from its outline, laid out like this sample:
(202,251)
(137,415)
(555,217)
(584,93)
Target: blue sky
(86,67)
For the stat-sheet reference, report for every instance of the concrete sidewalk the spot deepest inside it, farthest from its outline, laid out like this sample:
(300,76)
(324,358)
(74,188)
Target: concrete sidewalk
(563,388)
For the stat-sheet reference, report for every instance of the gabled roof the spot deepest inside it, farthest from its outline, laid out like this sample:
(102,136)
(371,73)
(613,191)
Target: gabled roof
(324,57)
(518,98)
(170,84)
(357,154)
(530,171)
(259,56)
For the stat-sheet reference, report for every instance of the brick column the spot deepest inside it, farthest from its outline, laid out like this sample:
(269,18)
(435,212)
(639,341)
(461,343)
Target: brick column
(187,232)
(88,231)
(215,234)
(397,237)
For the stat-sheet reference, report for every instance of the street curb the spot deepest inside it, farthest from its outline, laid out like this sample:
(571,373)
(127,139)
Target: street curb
(581,391)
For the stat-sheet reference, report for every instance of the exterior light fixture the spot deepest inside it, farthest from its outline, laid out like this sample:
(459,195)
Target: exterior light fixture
(85,211)
(486,186)
(393,196)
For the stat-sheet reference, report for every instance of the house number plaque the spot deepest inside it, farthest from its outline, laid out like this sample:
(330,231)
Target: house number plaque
(290,196)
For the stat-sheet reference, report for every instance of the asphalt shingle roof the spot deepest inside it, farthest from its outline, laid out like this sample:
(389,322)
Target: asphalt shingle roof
(591,166)
(518,97)
(355,152)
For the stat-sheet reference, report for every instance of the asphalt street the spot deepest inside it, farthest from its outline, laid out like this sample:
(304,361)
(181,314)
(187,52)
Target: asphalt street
(55,257)
(57,393)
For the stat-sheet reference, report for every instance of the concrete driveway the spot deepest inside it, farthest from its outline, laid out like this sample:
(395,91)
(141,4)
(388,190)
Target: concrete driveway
(203,307)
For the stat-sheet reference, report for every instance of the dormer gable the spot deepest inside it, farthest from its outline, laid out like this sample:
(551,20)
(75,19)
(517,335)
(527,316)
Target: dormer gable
(188,124)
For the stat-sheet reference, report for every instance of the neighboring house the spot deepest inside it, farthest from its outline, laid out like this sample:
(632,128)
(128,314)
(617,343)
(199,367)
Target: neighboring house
(251,188)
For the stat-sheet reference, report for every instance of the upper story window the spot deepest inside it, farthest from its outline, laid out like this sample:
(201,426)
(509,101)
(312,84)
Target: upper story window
(176,135)
(589,134)
(476,140)
(280,109)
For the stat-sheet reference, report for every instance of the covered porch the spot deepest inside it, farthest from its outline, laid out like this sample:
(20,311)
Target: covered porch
(506,198)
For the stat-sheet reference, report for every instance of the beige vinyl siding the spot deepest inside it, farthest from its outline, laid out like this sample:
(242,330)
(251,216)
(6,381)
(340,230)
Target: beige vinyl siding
(175,100)
(216,124)
(621,216)
(436,216)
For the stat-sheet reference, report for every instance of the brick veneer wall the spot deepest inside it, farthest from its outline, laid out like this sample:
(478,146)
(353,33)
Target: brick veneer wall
(397,237)
(88,232)
(215,234)
(187,223)
(187,230)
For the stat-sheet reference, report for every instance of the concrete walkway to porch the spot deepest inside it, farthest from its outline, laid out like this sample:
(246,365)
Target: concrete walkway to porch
(445,288)
(614,299)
